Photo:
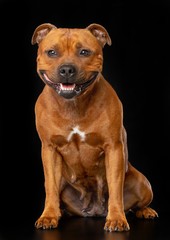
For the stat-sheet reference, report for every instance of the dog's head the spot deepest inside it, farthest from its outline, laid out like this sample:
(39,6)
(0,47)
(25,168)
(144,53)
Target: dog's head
(70,60)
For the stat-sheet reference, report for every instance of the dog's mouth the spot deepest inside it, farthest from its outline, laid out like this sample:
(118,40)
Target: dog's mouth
(68,90)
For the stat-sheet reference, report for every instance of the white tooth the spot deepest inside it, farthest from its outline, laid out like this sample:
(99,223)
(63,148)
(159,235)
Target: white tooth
(71,88)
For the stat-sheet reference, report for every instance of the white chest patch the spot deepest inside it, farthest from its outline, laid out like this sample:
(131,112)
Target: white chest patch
(76,131)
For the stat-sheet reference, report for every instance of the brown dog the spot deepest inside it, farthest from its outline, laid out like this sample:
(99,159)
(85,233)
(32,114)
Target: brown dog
(79,119)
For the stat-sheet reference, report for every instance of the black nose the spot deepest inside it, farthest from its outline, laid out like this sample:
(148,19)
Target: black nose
(67,71)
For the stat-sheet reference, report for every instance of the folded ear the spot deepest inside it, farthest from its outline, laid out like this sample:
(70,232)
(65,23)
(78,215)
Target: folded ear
(100,33)
(40,32)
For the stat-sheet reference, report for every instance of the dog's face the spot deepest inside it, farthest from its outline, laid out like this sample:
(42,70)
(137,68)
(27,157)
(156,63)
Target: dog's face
(70,60)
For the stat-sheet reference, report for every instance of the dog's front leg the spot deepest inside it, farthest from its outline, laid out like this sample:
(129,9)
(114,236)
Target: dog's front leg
(115,173)
(52,164)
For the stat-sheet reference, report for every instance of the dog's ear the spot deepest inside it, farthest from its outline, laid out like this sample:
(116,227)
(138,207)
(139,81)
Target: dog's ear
(100,33)
(40,32)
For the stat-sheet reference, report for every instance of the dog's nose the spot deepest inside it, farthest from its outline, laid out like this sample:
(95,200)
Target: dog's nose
(67,71)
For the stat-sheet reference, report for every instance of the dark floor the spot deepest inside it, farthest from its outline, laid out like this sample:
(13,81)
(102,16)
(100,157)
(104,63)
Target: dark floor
(75,228)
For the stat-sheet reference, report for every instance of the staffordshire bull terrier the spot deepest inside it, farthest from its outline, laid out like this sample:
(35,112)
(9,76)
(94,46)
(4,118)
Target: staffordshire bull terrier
(79,120)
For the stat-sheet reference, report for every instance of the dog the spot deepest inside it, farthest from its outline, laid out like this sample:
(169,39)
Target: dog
(79,120)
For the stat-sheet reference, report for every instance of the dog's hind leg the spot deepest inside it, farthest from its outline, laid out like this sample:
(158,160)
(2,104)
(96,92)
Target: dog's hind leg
(138,194)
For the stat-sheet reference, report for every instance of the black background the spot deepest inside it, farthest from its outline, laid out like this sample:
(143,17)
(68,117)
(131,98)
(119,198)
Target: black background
(136,65)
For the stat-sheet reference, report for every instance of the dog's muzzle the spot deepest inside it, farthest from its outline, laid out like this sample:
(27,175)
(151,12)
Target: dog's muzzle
(66,88)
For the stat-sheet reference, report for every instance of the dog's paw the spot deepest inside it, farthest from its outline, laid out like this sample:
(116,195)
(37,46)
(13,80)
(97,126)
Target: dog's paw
(46,222)
(147,213)
(116,225)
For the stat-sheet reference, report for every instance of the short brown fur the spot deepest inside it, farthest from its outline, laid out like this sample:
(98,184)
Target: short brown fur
(79,119)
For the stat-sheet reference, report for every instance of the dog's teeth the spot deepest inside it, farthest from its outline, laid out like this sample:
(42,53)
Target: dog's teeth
(67,87)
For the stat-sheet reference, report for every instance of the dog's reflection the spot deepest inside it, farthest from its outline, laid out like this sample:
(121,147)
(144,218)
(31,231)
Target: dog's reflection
(47,235)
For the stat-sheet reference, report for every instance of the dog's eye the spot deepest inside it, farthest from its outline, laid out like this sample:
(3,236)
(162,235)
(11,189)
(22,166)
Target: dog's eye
(85,52)
(52,53)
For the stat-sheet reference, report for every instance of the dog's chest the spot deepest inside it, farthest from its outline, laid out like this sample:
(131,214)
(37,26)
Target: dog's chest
(76,131)
(79,148)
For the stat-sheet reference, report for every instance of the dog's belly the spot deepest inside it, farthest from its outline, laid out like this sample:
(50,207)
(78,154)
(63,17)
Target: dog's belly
(84,170)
